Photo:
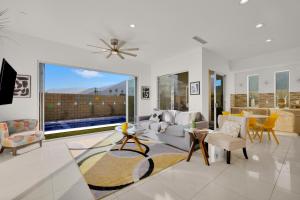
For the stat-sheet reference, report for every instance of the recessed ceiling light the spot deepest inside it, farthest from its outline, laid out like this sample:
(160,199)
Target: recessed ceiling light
(259,25)
(269,40)
(244,1)
(132,25)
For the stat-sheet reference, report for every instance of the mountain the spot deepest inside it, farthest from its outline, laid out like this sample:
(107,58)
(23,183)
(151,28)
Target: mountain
(117,89)
(66,90)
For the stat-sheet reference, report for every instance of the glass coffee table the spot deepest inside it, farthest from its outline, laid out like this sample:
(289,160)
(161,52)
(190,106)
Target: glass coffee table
(132,133)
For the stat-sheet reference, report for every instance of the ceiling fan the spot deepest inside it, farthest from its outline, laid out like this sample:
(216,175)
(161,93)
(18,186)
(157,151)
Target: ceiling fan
(3,20)
(114,48)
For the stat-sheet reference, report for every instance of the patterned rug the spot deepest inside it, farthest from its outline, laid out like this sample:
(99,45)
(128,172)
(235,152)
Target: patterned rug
(107,169)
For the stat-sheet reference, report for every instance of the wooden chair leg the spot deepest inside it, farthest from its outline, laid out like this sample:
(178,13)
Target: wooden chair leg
(248,133)
(255,134)
(14,151)
(261,136)
(204,153)
(228,156)
(273,133)
(206,149)
(269,136)
(245,153)
(138,144)
(191,151)
(2,149)
(124,142)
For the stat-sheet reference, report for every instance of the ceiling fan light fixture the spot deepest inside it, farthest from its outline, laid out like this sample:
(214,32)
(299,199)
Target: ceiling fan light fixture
(243,2)
(115,48)
(260,25)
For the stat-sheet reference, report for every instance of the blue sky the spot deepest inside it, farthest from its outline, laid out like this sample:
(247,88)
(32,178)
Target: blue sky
(58,77)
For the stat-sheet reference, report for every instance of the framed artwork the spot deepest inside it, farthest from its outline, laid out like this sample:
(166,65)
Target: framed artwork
(145,92)
(22,86)
(195,88)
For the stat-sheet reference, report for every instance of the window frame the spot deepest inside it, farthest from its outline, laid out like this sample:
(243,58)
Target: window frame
(289,89)
(248,76)
(170,74)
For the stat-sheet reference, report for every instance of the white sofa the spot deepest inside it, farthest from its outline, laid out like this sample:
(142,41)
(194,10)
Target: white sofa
(174,134)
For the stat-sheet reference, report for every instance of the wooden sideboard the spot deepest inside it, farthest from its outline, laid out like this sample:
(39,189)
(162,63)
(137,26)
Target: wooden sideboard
(288,121)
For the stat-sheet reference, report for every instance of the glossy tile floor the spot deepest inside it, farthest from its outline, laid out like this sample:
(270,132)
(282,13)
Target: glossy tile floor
(271,173)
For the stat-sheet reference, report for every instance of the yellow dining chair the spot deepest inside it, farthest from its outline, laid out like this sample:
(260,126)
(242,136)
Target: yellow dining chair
(225,113)
(268,126)
(252,126)
(241,114)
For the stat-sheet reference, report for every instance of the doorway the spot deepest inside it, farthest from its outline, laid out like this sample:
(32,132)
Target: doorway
(216,97)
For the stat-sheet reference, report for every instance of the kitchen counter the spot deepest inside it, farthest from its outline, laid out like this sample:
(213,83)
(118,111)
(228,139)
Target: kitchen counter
(288,121)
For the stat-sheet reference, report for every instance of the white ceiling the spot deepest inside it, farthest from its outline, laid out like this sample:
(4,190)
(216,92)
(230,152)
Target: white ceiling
(163,27)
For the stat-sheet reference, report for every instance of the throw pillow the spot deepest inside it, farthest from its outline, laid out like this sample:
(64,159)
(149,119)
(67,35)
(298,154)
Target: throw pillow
(168,117)
(156,116)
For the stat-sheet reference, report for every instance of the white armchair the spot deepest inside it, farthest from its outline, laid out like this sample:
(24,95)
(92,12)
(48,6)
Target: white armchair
(228,137)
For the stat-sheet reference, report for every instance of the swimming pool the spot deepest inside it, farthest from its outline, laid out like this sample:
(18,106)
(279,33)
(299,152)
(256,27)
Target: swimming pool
(79,123)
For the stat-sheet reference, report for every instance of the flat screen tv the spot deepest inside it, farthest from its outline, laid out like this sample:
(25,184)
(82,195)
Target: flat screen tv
(7,83)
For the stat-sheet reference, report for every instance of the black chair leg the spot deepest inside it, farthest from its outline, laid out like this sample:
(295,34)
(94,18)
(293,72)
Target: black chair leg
(245,153)
(228,156)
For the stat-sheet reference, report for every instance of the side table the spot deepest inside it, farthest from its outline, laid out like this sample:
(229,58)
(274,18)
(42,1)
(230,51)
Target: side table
(198,135)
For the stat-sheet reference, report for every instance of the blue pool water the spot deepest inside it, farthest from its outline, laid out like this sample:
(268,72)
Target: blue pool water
(78,123)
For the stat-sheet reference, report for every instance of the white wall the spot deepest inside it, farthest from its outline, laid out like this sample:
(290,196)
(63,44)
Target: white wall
(275,59)
(265,66)
(197,62)
(23,53)
(190,61)
(214,62)
(266,79)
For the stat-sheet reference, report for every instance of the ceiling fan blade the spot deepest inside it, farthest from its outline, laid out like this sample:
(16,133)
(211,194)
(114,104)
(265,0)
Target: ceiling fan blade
(104,49)
(121,43)
(109,55)
(129,54)
(3,12)
(122,57)
(130,49)
(106,44)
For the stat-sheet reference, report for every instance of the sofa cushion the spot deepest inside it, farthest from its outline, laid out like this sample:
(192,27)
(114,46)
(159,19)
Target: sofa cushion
(231,128)
(175,130)
(186,118)
(168,117)
(16,126)
(225,141)
(182,118)
(195,116)
(155,126)
(145,124)
(156,116)
(23,138)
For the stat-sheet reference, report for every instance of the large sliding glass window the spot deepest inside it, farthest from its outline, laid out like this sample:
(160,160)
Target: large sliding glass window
(282,89)
(77,98)
(253,87)
(173,92)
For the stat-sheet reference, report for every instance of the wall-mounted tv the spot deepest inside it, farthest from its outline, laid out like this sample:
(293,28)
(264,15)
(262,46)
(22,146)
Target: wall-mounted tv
(7,83)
